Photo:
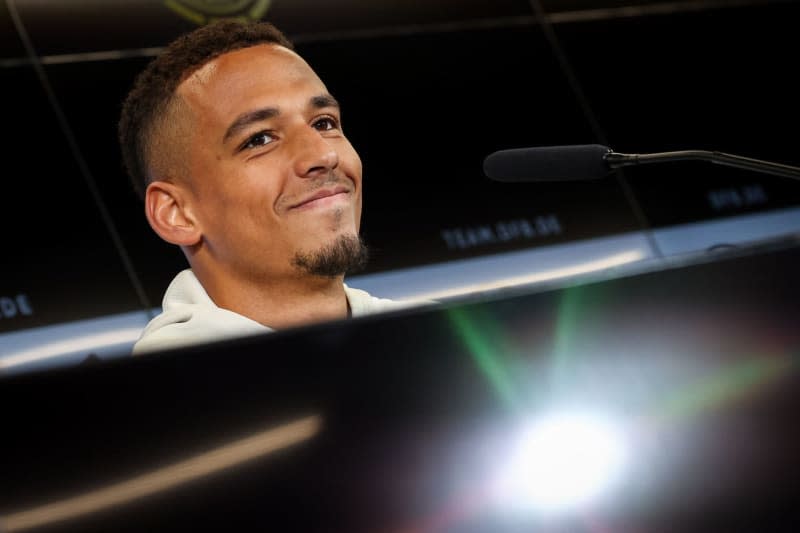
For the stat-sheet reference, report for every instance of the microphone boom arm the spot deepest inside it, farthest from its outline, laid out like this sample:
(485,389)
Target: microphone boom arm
(616,160)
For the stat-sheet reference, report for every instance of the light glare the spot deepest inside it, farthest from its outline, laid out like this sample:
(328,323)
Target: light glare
(562,462)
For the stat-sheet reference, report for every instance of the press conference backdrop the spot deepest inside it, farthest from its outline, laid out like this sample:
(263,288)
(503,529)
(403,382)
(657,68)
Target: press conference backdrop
(428,90)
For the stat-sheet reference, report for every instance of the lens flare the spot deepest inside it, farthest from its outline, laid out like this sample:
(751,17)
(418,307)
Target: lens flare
(562,462)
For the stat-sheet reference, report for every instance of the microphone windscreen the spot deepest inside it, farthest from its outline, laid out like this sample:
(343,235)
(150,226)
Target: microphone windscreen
(548,163)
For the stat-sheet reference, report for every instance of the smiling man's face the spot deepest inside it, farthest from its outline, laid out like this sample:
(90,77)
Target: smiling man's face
(272,181)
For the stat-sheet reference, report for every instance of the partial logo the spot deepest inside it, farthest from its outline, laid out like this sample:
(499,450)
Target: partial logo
(202,12)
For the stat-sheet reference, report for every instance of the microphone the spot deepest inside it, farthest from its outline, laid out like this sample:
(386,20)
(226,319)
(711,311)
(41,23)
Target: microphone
(594,161)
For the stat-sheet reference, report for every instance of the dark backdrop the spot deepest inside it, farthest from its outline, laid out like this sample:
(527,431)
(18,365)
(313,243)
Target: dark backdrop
(428,90)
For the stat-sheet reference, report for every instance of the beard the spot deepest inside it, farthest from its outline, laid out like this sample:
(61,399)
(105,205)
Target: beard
(345,255)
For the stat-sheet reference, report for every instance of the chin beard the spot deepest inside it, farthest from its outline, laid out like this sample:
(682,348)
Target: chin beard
(345,255)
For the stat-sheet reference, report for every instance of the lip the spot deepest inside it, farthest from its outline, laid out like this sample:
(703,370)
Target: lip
(320,194)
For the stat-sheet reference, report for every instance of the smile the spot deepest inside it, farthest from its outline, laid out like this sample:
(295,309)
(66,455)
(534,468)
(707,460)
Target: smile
(324,198)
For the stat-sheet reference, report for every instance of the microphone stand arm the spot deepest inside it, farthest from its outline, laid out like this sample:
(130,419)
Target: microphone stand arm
(616,160)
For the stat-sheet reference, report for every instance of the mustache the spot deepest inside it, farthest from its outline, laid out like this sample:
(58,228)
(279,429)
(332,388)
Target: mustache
(330,180)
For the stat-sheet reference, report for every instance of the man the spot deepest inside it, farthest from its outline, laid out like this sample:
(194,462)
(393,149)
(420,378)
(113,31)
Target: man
(237,149)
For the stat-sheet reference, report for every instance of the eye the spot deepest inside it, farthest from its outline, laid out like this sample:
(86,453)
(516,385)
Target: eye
(262,138)
(326,124)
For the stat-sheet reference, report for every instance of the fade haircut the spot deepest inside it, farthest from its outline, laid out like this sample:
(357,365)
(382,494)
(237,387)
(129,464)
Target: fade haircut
(149,103)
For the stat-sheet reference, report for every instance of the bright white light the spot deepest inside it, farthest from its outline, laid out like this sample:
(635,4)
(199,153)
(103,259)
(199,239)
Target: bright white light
(562,462)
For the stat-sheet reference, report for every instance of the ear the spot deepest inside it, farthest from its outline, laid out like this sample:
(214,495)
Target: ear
(169,214)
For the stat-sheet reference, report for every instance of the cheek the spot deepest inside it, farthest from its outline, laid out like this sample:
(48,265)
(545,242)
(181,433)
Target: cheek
(235,195)
(358,212)
(355,172)
(350,161)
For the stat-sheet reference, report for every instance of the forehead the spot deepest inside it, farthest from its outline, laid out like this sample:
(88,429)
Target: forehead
(235,79)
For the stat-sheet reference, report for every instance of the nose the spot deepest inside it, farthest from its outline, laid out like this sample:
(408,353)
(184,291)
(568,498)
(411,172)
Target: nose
(314,154)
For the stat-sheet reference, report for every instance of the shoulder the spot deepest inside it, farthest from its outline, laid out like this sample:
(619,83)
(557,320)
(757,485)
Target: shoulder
(189,317)
(363,303)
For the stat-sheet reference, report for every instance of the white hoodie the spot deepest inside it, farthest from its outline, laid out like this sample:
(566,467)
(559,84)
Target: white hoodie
(189,316)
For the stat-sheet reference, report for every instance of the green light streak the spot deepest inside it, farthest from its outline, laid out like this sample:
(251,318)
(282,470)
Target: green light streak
(484,352)
(565,328)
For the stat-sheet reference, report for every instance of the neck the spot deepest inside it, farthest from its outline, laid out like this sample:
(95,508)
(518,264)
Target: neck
(280,304)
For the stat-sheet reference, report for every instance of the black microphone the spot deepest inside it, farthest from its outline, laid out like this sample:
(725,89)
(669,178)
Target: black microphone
(548,163)
(594,161)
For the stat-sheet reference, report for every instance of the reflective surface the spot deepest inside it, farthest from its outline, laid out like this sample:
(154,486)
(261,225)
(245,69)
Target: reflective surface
(661,400)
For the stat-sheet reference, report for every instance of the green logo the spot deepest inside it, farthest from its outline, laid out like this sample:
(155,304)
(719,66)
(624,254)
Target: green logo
(204,11)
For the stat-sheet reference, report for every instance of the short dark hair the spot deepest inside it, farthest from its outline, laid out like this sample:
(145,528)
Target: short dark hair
(154,88)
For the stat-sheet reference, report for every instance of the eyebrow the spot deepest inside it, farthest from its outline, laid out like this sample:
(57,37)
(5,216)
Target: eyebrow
(324,100)
(265,113)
